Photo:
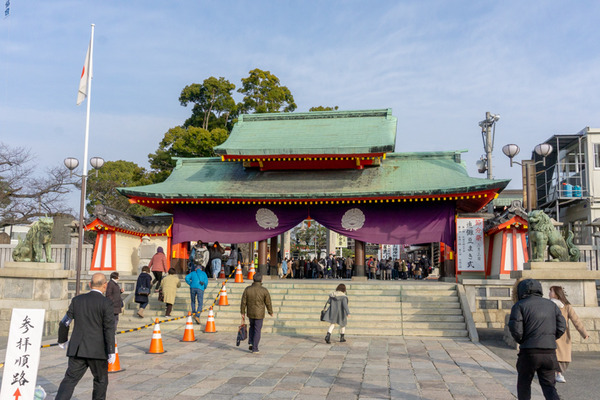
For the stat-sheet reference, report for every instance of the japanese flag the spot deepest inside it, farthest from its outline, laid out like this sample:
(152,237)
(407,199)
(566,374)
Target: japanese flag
(83,83)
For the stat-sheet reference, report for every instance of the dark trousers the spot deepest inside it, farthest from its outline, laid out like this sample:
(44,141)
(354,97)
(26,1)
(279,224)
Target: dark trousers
(116,321)
(254,333)
(197,295)
(545,364)
(157,277)
(75,371)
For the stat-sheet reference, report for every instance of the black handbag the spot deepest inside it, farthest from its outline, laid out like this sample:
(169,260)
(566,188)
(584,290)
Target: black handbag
(242,333)
(323,312)
(143,291)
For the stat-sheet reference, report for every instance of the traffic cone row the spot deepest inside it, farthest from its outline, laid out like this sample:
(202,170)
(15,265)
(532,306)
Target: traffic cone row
(239,276)
(251,271)
(223,296)
(188,333)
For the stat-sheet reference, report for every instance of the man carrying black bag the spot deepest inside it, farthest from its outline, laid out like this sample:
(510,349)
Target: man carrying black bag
(92,343)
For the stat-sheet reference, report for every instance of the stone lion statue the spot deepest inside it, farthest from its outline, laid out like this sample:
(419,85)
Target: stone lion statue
(543,234)
(37,242)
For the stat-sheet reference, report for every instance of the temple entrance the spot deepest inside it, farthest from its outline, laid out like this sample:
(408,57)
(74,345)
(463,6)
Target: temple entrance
(336,167)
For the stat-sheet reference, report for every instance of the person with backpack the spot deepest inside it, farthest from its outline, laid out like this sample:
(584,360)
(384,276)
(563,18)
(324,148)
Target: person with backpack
(198,257)
(198,282)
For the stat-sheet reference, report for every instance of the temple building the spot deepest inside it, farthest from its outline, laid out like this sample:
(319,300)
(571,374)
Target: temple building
(336,167)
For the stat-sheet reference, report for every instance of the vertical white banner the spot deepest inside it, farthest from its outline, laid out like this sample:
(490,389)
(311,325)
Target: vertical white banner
(22,354)
(469,244)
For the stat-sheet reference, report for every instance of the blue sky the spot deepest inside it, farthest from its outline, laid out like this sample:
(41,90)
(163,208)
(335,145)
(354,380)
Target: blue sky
(440,65)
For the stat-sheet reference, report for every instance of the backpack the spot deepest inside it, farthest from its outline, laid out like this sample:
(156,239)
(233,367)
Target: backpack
(197,256)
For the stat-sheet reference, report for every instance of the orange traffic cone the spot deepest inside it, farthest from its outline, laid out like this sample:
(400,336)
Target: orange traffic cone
(251,272)
(239,276)
(210,322)
(188,334)
(156,345)
(116,366)
(223,296)
(222,273)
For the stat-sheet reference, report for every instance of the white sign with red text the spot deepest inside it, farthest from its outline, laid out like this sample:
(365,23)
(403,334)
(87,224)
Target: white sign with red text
(22,354)
(469,244)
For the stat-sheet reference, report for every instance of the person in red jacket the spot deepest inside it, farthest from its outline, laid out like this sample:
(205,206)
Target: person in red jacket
(158,265)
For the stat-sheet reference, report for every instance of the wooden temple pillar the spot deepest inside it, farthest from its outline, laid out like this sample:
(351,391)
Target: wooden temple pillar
(262,257)
(359,258)
(273,256)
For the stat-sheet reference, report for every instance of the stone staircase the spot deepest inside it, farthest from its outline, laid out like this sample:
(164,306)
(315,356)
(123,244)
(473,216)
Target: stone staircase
(409,308)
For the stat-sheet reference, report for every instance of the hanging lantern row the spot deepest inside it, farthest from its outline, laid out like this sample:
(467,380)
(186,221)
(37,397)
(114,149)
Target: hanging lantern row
(301,159)
(128,232)
(309,202)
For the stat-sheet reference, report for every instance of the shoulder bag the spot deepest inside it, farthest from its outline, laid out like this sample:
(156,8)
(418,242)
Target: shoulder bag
(143,291)
(323,312)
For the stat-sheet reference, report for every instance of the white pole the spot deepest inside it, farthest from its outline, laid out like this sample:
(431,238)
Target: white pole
(89,98)
(84,175)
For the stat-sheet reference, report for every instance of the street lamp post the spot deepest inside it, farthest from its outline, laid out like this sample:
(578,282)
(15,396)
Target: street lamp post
(72,163)
(543,150)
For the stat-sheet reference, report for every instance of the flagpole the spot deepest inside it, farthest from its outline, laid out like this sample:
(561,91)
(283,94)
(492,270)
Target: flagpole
(85,167)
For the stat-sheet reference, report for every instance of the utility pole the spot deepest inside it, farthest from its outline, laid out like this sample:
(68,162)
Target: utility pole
(488,133)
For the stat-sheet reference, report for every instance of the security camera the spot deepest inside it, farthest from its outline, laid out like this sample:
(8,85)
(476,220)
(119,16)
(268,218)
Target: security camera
(496,117)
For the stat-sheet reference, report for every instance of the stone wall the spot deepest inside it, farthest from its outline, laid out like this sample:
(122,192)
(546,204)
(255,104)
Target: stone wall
(33,286)
(490,301)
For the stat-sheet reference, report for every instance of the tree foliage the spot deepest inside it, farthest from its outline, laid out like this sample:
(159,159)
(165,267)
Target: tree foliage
(101,189)
(322,108)
(183,142)
(24,196)
(213,105)
(263,93)
(309,239)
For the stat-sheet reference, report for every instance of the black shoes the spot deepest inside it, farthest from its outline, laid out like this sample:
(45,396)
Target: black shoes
(328,338)
(342,339)
(250,347)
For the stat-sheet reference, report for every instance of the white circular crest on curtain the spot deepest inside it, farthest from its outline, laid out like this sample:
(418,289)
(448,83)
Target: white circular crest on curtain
(353,219)
(266,218)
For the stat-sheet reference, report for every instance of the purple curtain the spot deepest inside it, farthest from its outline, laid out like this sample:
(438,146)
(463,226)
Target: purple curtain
(388,223)
(410,223)
(230,224)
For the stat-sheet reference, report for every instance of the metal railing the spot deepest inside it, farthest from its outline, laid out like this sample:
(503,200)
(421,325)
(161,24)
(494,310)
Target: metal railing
(61,253)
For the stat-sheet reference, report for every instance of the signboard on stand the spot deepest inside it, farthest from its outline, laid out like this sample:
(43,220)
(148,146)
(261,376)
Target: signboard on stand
(469,245)
(22,354)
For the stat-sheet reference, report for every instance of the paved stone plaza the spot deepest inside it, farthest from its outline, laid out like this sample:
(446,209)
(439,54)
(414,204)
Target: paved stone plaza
(293,367)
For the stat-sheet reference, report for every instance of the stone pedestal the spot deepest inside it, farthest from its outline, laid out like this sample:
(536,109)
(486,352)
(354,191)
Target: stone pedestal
(34,285)
(579,284)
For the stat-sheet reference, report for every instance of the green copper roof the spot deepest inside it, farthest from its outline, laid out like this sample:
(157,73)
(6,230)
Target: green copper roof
(400,174)
(321,132)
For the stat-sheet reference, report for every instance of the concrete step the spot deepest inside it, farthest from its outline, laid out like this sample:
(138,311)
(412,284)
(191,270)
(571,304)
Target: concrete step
(377,308)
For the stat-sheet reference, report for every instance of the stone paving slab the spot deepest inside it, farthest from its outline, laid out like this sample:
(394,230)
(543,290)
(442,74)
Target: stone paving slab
(295,367)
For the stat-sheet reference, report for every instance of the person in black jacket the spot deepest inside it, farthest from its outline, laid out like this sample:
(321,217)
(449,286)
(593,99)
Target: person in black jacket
(113,292)
(142,290)
(535,323)
(92,343)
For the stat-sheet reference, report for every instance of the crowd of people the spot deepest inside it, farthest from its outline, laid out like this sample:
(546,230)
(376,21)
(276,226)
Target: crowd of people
(334,267)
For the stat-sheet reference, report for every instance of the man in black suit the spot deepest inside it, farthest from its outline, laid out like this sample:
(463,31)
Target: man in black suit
(92,342)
